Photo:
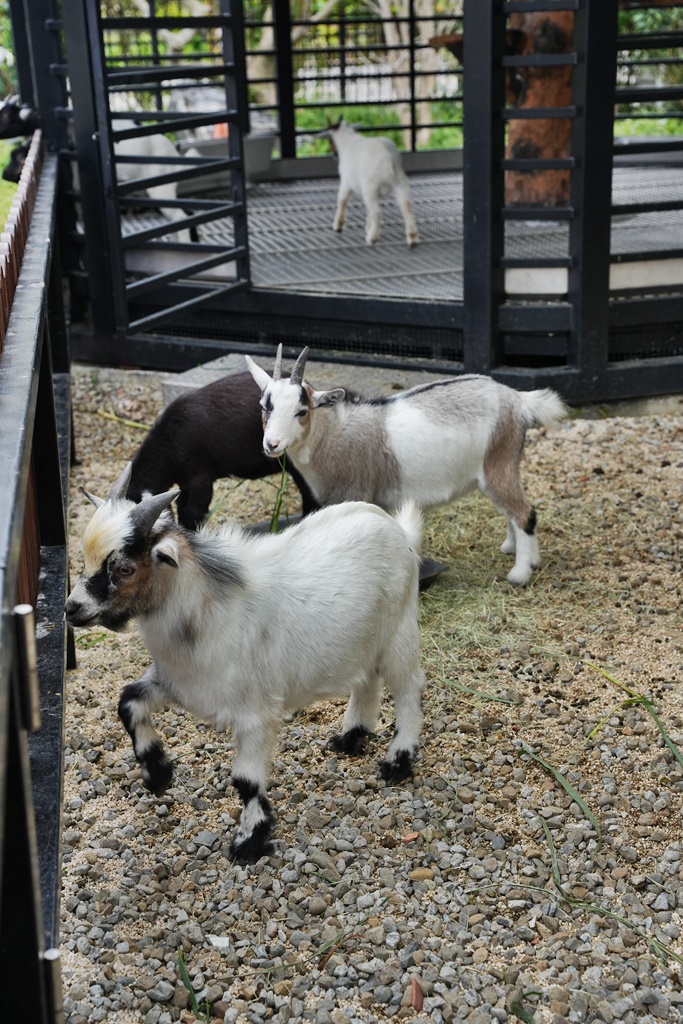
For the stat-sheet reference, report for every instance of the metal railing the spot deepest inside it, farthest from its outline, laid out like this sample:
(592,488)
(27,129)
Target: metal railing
(34,443)
(383,73)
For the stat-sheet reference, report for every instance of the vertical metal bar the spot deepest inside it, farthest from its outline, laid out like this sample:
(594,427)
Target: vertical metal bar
(53,986)
(91,185)
(342,54)
(155,53)
(108,167)
(233,53)
(285,77)
(411,57)
(27,662)
(483,183)
(21,925)
(20,41)
(594,84)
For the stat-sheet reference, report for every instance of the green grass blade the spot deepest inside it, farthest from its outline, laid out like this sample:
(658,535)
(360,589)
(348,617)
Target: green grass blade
(669,742)
(275,517)
(566,785)
(557,878)
(522,1014)
(640,698)
(187,982)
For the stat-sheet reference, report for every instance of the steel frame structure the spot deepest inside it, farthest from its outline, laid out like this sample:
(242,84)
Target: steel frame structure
(569,341)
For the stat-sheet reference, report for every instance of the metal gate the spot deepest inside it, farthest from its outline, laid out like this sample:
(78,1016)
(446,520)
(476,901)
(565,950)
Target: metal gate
(141,192)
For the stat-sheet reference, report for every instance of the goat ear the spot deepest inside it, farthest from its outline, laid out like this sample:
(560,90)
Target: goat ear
(167,552)
(319,398)
(92,497)
(260,376)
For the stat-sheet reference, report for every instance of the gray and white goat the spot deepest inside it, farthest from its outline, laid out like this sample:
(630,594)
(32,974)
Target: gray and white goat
(434,443)
(243,628)
(370,166)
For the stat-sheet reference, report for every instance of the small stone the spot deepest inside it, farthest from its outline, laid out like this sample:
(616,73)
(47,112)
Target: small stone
(421,874)
(316,906)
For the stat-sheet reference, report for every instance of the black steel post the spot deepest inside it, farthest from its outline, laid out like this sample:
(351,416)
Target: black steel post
(412,80)
(91,185)
(594,81)
(233,53)
(483,183)
(285,78)
(22,51)
(21,925)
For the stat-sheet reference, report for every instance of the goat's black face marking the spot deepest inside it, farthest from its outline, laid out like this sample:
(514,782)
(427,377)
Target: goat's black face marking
(99,584)
(266,405)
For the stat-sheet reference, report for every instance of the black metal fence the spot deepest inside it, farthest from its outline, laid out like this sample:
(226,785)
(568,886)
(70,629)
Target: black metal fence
(382,72)
(34,447)
(569,255)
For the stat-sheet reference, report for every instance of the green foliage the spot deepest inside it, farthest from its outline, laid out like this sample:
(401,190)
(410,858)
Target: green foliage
(656,126)
(317,119)
(385,120)
(8,73)
(7,188)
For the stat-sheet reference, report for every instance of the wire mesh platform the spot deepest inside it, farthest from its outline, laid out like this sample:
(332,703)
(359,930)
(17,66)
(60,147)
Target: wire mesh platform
(293,247)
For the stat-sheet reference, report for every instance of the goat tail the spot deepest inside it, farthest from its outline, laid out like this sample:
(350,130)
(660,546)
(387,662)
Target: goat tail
(409,517)
(542,407)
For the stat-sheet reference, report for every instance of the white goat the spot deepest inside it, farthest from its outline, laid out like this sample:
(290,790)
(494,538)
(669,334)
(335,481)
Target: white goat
(433,443)
(370,166)
(243,628)
(152,146)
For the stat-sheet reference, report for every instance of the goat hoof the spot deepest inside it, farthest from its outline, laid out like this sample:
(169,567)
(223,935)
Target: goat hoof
(157,771)
(250,849)
(519,577)
(351,742)
(397,768)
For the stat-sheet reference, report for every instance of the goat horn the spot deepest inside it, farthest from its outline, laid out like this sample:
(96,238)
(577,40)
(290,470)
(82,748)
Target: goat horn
(120,486)
(92,497)
(145,515)
(297,374)
(277,369)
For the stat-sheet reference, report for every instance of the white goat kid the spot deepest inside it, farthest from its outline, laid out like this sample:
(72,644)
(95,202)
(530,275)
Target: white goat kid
(434,443)
(152,146)
(370,166)
(243,628)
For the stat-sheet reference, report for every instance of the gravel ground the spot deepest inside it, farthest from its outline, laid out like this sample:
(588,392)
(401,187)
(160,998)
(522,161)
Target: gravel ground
(480,891)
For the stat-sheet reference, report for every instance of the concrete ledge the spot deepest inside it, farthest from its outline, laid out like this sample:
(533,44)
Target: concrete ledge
(367,380)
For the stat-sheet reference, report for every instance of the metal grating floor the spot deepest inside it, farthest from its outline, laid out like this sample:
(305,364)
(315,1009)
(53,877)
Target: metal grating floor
(293,246)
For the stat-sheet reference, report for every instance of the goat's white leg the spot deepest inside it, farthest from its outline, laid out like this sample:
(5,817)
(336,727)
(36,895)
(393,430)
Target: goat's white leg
(527,556)
(171,213)
(500,482)
(405,681)
(255,740)
(371,200)
(509,545)
(137,702)
(360,717)
(342,202)
(402,196)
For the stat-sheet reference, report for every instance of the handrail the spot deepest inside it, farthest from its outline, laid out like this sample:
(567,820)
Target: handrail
(15,232)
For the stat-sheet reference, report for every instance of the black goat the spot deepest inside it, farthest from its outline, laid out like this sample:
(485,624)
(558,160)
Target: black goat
(17,159)
(201,436)
(17,118)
